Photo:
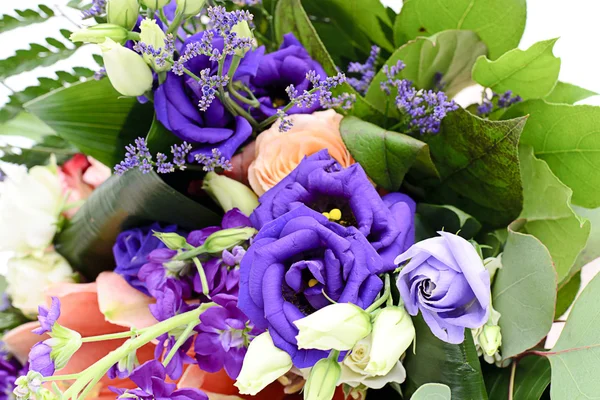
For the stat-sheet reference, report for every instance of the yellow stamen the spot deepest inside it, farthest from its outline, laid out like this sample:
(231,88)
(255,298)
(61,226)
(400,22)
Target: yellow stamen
(326,214)
(313,282)
(335,214)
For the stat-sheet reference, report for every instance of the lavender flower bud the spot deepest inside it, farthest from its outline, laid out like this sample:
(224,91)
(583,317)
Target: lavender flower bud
(229,193)
(126,70)
(323,380)
(123,12)
(98,33)
(155,4)
(189,8)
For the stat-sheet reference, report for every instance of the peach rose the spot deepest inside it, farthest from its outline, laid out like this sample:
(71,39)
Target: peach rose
(79,176)
(278,153)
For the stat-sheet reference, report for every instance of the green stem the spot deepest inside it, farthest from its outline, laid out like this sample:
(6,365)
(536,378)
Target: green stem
(61,377)
(190,73)
(188,255)
(240,111)
(386,293)
(175,23)
(202,274)
(110,336)
(184,336)
(133,36)
(90,386)
(150,13)
(511,383)
(235,62)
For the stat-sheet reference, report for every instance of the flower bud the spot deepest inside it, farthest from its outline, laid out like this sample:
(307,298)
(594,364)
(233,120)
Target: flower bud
(490,339)
(323,380)
(393,332)
(263,364)
(226,239)
(152,35)
(189,8)
(64,343)
(98,33)
(126,70)
(337,326)
(27,386)
(172,240)
(242,30)
(229,193)
(155,4)
(123,12)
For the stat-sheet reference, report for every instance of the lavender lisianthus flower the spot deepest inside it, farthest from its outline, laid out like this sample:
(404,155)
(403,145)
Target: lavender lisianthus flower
(280,69)
(47,317)
(445,279)
(294,262)
(322,184)
(40,360)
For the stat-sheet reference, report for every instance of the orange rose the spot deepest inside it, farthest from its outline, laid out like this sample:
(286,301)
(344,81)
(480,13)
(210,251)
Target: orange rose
(278,153)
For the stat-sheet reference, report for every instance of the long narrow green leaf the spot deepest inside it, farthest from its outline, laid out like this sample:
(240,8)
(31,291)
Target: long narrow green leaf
(25,17)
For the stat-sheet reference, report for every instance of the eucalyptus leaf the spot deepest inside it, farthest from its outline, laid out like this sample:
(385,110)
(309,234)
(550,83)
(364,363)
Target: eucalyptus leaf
(435,361)
(479,166)
(449,219)
(532,377)
(566,137)
(386,156)
(567,294)
(432,391)
(121,202)
(591,251)
(568,93)
(291,17)
(499,23)
(450,53)
(524,292)
(530,73)
(575,359)
(93,118)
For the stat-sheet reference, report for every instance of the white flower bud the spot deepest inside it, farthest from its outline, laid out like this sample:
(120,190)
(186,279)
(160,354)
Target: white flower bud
(393,332)
(323,380)
(172,240)
(337,326)
(123,12)
(229,193)
(29,277)
(98,33)
(242,30)
(155,4)
(226,239)
(152,35)
(127,71)
(189,8)
(490,339)
(263,364)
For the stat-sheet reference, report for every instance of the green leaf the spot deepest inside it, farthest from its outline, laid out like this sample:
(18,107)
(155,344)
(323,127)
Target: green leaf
(575,359)
(495,240)
(133,199)
(500,23)
(531,379)
(37,56)
(25,17)
(567,138)
(435,361)
(591,251)
(291,17)
(548,213)
(432,391)
(451,53)
(92,117)
(479,166)
(524,292)
(567,93)
(531,73)
(449,219)
(567,294)
(40,153)
(26,125)
(386,156)
(159,138)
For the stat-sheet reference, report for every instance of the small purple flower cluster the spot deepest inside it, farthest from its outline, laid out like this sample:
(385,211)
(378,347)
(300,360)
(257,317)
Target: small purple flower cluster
(139,157)
(160,55)
(214,161)
(425,108)
(366,70)
(10,370)
(503,101)
(210,85)
(246,3)
(98,7)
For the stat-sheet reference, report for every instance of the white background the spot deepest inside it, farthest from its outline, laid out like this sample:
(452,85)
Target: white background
(574,21)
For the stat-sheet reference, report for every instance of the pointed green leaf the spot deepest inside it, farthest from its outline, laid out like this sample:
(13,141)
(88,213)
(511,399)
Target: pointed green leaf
(24,18)
(567,93)
(449,219)
(386,156)
(567,294)
(591,251)
(432,391)
(567,138)
(531,73)
(92,117)
(26,125)
(479,166)
(548,213)
(499,23)
(524,292)
(531,379)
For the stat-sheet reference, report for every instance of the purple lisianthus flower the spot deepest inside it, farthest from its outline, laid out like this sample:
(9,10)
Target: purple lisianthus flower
(10,370)
(445,279)
(132,248)
(176,105)
(322,184)
(47,317)
(150,378)
(40,360)
(293,262)
(223,337)
(279,69)
(169,301)
(175,367)
(161,268)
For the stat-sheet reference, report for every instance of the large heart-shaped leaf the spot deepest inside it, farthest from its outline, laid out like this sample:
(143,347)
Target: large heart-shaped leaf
(591,251)
(531,73)
(432,391)
(499,23)
(124,201)
(435,361)
(524,292)
(386,156)
(532,377)
(479,166)
(93,118)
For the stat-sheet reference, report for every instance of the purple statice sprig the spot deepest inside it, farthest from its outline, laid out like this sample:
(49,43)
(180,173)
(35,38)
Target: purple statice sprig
(98,7)
(366,70)
(139,157)
(504,100)
(160,55)
(246,3)
(210,85)
(425,108)
(213,161)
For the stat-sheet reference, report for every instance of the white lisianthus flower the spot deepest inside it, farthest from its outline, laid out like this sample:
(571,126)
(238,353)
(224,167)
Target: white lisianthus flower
(127,71)
(29,277)
(30,205)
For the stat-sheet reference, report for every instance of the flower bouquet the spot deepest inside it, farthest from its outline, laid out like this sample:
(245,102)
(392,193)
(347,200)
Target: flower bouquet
(298,207)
